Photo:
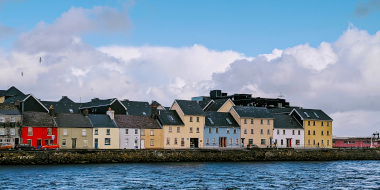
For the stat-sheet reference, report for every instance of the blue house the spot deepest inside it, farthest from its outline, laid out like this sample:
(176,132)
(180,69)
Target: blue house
(221,131)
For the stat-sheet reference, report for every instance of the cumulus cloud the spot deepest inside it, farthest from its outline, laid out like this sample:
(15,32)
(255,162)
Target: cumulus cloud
(365,8)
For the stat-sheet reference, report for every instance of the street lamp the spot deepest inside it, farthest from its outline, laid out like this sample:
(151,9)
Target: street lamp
(374,136)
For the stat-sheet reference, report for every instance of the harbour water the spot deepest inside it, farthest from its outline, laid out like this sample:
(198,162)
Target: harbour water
(185,175)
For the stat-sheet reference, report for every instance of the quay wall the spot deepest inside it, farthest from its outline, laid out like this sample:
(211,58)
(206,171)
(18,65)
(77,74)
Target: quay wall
(129,156)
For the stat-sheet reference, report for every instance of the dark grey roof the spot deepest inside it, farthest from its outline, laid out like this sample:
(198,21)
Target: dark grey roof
(204,103)
(12,91)
(37,119)
(2,92)
(137,108)
(62,107)
(312,114)
(65,99)
(13,99)
(134,121)
(169,117)
(220,119)
(253,112)
(96,102)
(155,103)
(190,107)
(9,109)
(98,120)
(280,110)
(216,105)
(167,108)
(72,120)
(285,122)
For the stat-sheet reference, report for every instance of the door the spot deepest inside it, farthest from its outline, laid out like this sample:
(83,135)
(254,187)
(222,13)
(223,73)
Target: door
(194,142)
(96,143)
(142,144)
(74,143)
(17,141)
(39,143)
(242,142)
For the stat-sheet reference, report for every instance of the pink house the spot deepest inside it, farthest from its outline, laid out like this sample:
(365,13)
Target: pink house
(358,142)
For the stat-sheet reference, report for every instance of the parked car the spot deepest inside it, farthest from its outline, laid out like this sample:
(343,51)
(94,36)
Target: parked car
(24,147)
(6,146)
(50,146)
(252,146)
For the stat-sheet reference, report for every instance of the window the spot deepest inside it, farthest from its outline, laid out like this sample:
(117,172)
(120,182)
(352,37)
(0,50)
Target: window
(2,119)
(30,131)
(322,132)
(13,119)
(283,132)
(322,123)
(151,132)
(275,141)
(251,121)
(282,142)
(229,122)
(191,119)
(151,142)
(345,142)
(170,129)
(108,131)
(328,133)
(84,132)
(278,132)
(313,123)
(245,121)
(48,131)
(175,141)
(314,132)
(214,141)
(167,141)
(210,130)
(328,123)
(263,141)
(313,142)
(135,144)
(207,141)
(308,142)
(136,131)
(245,131)
(13,131)
(126,131)
(191,129)
(268,122)
(182,141)
(63,142)
(228,131)
(297,142)
(65,132)
(308,132)
(235,131)
(328,142)
(126,142)
(210,120)
(144,113)
(85,143)
(299,132)
(252,132)
(307,115)
(142,132)
(261,131)
(237,142)
(268,132)
(321,142)
(293,132)
(250,141)
(171,118)
(71,111)
(217,130)
(197,119)
(230,141)
(262,121)
(178,129)
(197,129)
(308,123)
(107,141)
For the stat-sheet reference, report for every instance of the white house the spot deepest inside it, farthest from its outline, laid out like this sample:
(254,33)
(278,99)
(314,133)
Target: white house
(129,132)
(287,132)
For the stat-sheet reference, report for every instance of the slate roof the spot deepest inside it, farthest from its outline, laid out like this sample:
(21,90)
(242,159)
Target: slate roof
(9,109)
(37,119)
(165,118)
(285,122)
(252,112)
(219,119)
(12,91)
(155,103)
(13,99)
(2,92)
(98,120)
(96,102)
(204,103)
(72,120)
(321,115)
(190,107)
(217,104)
(137,108)
(280,110)
(135,121)
(62,107)
(65,99)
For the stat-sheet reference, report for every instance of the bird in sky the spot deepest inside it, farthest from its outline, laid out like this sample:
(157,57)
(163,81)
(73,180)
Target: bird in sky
(22,73)
(40,59)
(91,88)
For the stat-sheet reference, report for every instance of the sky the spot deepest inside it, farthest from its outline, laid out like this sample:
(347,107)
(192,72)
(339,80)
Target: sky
(319,54)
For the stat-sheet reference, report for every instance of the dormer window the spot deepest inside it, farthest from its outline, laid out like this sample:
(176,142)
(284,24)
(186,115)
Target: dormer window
(228,120)
(2,119)
(144,113)
(211,120)
(71,111)
(171,118)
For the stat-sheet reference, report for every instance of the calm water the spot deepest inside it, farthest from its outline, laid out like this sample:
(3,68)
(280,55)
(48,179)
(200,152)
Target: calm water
(246,175)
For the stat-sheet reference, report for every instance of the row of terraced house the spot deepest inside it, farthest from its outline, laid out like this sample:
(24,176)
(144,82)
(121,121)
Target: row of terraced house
(215,121)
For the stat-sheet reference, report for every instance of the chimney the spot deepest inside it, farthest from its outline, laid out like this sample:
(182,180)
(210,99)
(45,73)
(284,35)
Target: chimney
(111,113)
(52,111)
(153,111)
(85,112)
(17,103)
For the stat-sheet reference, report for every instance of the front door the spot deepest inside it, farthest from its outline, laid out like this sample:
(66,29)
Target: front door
(242,142)
(39,143)
(142,144)
(74,143)
(288,143)
(96,143)
(17,141)
(194,142)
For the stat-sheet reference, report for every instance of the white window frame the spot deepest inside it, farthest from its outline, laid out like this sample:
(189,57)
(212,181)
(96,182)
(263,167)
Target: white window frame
(84,132)
(49,129)
(85,143)
(178,129)
(64,142)
(126,142)
(13,119)
(2,131)
(170,129)
(64,132)
(13,131)
(126,131)
(151,142)
(151,132)
(168,141)
(142,132)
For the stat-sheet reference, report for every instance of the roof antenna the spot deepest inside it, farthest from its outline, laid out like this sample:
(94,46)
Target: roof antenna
(281,95)
(22,73)
(40,59)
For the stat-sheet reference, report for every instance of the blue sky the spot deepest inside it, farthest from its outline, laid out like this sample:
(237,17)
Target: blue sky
(249,27)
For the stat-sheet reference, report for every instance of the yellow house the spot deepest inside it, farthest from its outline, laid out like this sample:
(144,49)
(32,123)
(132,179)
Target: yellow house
(256,125)
(193,118)
(317,125)
(105,132)
(174,133)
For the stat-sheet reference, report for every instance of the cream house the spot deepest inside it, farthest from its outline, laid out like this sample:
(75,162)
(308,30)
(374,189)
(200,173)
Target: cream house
(174,133)
(105,131)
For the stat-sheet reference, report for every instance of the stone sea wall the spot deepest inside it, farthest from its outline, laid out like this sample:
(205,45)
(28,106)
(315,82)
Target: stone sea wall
(128,156)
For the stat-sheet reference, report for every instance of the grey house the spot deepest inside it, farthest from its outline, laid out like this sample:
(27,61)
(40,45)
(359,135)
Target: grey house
(10,125)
